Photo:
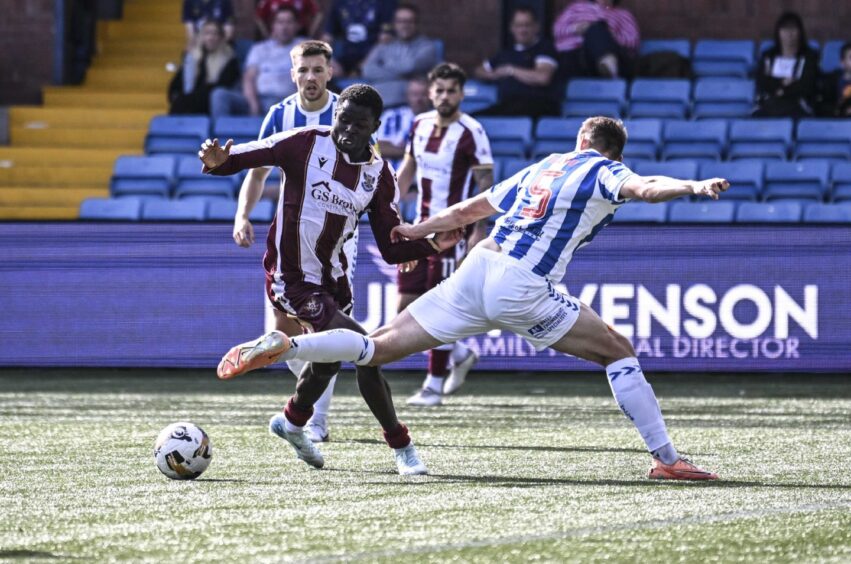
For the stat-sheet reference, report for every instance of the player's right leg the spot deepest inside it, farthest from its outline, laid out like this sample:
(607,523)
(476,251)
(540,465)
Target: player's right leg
(590,338)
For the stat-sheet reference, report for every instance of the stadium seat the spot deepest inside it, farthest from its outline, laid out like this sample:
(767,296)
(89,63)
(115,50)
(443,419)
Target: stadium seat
(681,47)
(241,129)
(830,55)
(509,136)
(242,47)
(841,179)
(644,138)
(192,182)
(142,175)
(760,138)
(225,210)
(176,134)
(175,210)
(774,212)
(686,170)
(111,209)
(702,212)
(807,180)
(723,57)
(641,212)
(823,139)
(827,213)
(704,139)
(767,44)
(723,98)
(593,96)
(510,167)
(745,178)
(478,96)
(555,135)
(659,98)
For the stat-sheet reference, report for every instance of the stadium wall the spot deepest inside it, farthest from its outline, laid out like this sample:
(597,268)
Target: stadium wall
(716,298)
(26,49)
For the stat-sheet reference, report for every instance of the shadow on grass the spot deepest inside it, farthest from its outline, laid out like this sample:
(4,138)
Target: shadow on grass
(511,447)
(27,554)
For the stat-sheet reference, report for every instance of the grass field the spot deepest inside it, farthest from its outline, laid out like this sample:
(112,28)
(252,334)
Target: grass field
(531,467)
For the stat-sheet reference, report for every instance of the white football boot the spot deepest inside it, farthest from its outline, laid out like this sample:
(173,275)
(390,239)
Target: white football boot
(408,461)
(426,397)
(317,429)
(458,373)
(304,447)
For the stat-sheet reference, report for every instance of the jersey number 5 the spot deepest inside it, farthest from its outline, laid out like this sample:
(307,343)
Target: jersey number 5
(541,194)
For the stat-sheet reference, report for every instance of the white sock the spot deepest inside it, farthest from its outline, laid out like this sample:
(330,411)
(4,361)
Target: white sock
(296,366)
(638,402)
(434,383)
(323,404)
(336,345)
(288,425)
(459,352)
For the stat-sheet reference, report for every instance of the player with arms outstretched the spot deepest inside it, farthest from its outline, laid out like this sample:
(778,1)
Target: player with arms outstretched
(451,156)
(549,209)
(333,176)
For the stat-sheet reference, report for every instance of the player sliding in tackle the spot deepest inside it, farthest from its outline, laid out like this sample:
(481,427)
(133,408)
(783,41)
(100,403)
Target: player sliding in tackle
(332,176)
(550,209)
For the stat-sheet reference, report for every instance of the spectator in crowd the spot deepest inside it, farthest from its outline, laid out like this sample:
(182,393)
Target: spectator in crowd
(196,12)
(837,86)
(524,73)
(596,38)
(787,72)
(267,78)
(390,64)
(396,122)
(309,16)
(211,64)
(353,27)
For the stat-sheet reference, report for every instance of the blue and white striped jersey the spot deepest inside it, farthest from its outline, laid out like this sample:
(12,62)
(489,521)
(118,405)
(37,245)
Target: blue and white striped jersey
(287,115)
(554,207)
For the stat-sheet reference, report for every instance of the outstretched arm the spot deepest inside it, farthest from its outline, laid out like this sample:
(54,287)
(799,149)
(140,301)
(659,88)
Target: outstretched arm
(656,189)
(452,218)
(271,151)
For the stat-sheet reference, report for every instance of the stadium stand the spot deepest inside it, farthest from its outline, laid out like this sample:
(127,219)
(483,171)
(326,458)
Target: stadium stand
(681,47)
(225,210)
(642,212)
(588,97)
(177,134)
(775,212)
(509,136)
(823,139)
(723,98)
(746,178)
(695,140)
(827,213)
(702,212)
(659,98)
(766,139)
(111,209)
(175,210)
(552,135)
(510,167)
(478,96)
(143,176)
(644,137)
(830,55)
(239,128)
(840,176)
(804,180)
(191,181)
(677,169)
(727,57)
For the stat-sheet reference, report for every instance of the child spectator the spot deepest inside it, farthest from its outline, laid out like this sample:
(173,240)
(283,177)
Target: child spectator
(837,86)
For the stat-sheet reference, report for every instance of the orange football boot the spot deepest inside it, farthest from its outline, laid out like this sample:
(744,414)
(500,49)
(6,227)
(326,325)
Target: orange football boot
(252,355)
(682,469)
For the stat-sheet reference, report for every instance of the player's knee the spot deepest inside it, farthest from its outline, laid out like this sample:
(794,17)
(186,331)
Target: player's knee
(617,347)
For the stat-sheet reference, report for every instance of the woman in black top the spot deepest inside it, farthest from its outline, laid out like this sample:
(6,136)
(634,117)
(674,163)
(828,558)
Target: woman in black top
(210,64)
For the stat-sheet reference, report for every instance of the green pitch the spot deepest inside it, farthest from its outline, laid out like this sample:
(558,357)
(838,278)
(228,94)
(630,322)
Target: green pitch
(539,467)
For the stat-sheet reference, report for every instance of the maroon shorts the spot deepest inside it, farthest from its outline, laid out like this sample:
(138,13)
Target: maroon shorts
(431,271)
(312,305)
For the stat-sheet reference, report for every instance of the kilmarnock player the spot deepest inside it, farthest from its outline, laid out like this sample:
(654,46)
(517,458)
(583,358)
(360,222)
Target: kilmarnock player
(550,209)
(313,104)
(451,156)
(333,175)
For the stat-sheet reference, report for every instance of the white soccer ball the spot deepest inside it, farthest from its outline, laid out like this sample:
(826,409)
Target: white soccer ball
(183,451)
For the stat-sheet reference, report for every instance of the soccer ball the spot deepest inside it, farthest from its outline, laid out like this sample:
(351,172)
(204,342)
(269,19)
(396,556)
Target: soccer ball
(183,451)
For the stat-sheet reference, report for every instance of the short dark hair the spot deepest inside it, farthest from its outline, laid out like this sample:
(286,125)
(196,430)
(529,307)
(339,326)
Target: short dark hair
(409,7)
(363,95)
(524,10)
(605,134)
(845,47)
(448,71)
(289,9)
(312,47)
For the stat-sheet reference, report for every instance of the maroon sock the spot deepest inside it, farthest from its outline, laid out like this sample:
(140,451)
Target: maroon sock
(296,415)
(438,362)
(398,437)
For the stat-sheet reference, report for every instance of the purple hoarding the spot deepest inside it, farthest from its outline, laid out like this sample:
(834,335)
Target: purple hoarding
(715,298)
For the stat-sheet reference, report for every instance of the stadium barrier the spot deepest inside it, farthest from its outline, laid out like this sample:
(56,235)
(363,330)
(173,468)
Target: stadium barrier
(692,298)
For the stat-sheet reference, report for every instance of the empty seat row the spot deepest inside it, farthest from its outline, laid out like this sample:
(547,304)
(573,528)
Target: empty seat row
(729,212)
(156,209)
(184,134)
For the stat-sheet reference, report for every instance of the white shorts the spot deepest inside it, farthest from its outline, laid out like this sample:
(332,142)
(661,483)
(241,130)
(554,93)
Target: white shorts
(494,291)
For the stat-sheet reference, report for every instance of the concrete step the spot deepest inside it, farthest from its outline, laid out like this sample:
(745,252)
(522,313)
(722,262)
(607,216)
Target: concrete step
(146,30)
(39,213)
(39,117)
(88,97)
(56,176)
(142,80)
(61,156)
(48,197)
(124,139)
(142,47)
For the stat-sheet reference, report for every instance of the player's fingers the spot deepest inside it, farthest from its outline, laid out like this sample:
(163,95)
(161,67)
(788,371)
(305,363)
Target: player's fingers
(228,145)
(250,234)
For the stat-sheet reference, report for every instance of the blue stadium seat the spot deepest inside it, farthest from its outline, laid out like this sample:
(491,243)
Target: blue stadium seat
(192,182)
(478,96)
(827,213)
(823,139)
(242,47)
(723,57)
(509,136)
(659,98)
(774,212)
(111,209)
(745,178)
(767,44)
(175,210)
(241,129)
(830,55)
(644,138)
(702,212)
(681,47)
(225,210)
(641,212)
(685,170)
(705,139)
(723,98)
(807,180)
(555,135)
(176,134)
(593,96)
(841,177)
(760,138)
(510,167)
(142,175)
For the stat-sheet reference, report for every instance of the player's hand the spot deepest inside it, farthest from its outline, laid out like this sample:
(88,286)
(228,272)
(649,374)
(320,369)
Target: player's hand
(448,239)
(243,232)
(409,266)
(213,155)
(711,187)
(403,232)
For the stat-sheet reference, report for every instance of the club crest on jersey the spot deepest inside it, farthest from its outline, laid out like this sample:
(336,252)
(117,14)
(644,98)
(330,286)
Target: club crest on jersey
(312,308)
(368,182)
